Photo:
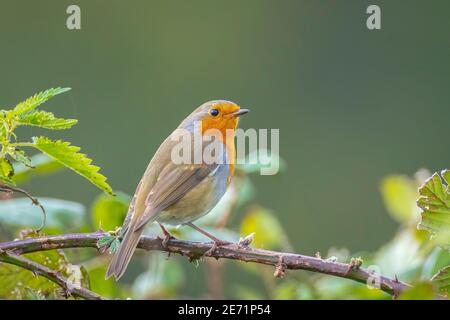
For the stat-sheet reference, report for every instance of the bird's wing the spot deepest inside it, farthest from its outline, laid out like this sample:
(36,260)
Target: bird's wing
(172,184)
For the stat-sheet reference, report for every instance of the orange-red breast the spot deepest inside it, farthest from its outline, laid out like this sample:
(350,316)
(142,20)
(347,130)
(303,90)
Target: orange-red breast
(177,194)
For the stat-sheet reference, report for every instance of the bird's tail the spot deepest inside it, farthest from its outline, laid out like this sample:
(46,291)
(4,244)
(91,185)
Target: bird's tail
(123,255)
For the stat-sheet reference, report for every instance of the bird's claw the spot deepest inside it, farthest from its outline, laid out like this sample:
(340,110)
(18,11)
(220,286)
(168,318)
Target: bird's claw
(167,236)
(166,239)
(215,246)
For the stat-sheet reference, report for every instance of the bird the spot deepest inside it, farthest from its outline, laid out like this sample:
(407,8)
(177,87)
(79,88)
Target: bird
(173,193)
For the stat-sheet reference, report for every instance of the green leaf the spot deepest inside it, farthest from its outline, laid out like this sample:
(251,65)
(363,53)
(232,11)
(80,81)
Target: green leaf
(6,169)
(42,165)
(45,119)
(114,245)
(442,280)
(6,180)
(2,124)
(105,241)
(434,201)
(439,258)
(69,156)
(20,156)
(62,215)
(38,99)
(108,242)
(109,212)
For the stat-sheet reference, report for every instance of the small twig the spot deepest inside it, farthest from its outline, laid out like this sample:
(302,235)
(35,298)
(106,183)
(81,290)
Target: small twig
(280,268)
(34,201)
(52,275)
(194,250)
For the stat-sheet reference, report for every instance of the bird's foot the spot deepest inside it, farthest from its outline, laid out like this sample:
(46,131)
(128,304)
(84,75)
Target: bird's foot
(216,244)
(167,236)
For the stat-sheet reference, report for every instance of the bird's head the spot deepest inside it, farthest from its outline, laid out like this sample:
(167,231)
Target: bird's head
(216,114)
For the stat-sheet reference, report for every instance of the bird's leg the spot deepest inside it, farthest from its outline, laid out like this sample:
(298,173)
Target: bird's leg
(167,235)
(217,242)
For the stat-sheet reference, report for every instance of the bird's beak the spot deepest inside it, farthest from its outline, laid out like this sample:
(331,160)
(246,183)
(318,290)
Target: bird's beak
(239,113)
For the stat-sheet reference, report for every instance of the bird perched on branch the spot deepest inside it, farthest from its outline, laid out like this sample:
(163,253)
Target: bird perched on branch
(178,193)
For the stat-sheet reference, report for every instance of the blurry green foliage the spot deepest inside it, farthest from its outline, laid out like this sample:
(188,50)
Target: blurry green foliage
(62,216)
(268,231)
(399,194)
(19,283)
(421,291)
(108,212)
(162,280)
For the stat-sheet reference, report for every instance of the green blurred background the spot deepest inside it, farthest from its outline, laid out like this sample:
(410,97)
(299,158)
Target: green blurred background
(352,105)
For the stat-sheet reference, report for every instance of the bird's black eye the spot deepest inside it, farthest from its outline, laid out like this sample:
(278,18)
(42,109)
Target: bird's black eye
(214,112)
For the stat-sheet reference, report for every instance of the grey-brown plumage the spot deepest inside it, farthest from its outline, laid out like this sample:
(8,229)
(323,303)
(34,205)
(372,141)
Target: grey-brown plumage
(173,193)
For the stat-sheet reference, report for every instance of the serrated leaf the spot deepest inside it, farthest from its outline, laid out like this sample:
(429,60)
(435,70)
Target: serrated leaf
(68,155)
(434,201)
(38,99)
(105,241)
(45,120)
(114,246)
(21,156)
(6,169)
(442,280)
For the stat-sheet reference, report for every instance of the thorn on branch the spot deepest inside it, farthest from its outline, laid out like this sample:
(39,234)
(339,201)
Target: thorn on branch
(355,263)
(280,268)
(318,255)
(246,241)
(332,259)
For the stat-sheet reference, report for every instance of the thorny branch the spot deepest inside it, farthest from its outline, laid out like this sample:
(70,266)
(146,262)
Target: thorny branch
(52,275)
(194,250)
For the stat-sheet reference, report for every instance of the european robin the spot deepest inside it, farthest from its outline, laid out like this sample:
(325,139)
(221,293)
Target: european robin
(179,193)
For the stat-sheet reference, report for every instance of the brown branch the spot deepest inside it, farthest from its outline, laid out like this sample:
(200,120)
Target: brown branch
(194,250)
(52,275)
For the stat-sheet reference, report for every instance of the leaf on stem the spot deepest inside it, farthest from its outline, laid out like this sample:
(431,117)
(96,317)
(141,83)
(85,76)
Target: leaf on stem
(21,156)
(38,99)
(68,155)
(434,201)
(45,119)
